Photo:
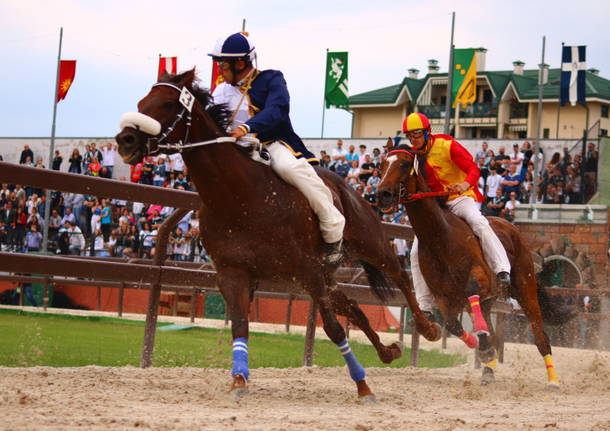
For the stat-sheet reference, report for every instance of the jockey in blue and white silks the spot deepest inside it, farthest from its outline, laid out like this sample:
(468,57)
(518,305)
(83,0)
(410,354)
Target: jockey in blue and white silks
(260,106)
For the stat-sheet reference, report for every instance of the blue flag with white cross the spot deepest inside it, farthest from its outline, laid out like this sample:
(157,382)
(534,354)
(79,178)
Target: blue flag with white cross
(573,75)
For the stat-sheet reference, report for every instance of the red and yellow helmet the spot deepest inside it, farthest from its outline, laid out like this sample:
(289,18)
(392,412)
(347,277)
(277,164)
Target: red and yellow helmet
(415,121)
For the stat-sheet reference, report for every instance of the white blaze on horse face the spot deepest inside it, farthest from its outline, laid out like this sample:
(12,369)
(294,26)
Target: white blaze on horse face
(391,160)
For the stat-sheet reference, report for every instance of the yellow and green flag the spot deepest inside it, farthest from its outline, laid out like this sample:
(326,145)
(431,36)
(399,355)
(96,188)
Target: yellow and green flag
(464,90)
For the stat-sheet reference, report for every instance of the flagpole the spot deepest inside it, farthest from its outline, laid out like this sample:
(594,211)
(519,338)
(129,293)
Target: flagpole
(559,102)
(243,24)
(449,79)
(538,126)
(47,205)
(324,95)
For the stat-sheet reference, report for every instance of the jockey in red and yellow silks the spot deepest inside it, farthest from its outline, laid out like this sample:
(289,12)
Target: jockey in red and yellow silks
(449,166)
(449,163)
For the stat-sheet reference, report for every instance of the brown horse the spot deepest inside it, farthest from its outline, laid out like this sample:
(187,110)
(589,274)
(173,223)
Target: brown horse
(257,228)
(453,265)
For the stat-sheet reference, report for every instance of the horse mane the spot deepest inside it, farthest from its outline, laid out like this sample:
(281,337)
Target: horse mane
(219,113)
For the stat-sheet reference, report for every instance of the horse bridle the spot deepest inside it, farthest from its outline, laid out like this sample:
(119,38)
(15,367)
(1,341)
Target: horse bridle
(133,118)
(403,196)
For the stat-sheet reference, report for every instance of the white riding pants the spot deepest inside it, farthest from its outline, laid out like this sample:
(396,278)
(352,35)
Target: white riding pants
(464,207)
(300,174)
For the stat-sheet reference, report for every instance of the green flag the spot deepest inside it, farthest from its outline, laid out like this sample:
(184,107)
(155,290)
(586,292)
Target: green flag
(464,88)
(335,93)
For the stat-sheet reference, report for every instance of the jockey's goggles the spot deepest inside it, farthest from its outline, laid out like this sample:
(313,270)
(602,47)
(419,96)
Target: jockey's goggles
(415,133)
(223,64)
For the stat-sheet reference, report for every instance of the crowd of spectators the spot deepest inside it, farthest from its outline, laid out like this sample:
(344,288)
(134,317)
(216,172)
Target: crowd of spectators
(83,224)
(96,226)
(508,180)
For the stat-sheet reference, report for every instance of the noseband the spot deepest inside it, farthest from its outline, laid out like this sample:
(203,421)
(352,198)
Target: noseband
(145,123)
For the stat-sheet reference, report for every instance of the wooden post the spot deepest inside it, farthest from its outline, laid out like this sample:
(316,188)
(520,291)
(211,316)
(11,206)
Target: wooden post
(175,304)
(121,295)
(257,309)
(444,338)
(193,305)
(310,334)
(414,346)
(401,330)
(500,331)
(99,299)
(347,327)
(289,313)
(45,294)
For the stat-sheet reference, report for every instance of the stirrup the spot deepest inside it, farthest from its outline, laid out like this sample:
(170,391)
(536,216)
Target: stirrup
(333,253)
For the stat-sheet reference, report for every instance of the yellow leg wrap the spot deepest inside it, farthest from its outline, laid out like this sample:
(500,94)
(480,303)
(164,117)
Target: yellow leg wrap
(550,370)
(491,364)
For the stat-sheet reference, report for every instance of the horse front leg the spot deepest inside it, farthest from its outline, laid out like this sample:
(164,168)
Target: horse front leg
(236,288)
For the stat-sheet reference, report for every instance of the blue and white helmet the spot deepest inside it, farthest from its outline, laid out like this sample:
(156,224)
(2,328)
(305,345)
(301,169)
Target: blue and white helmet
(234,47)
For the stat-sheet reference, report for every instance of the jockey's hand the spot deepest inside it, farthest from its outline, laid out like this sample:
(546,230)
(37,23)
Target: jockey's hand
(460,188)
(237,132)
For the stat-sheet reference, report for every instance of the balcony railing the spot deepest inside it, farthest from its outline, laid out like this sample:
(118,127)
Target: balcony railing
(474,110)
(435,111)
(478,110)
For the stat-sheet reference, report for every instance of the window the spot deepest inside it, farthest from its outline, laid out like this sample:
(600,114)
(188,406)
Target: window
(443,100)
(603,132)
(522,134)
(546,133)
(487,96)
(604,111)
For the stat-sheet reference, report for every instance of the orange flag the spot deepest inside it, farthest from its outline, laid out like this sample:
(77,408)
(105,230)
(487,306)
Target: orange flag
(67,70)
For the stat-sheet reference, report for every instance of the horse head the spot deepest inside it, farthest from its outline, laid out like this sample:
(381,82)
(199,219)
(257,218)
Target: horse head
(164,117)
(397,178)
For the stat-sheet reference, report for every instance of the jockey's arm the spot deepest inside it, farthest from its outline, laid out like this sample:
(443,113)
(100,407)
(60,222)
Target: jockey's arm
(276,107)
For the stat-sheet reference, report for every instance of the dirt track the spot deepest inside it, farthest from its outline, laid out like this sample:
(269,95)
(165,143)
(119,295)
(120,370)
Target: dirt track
(96,398)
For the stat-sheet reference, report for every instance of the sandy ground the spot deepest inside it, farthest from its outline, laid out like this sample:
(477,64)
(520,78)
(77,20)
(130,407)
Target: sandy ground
(127,398)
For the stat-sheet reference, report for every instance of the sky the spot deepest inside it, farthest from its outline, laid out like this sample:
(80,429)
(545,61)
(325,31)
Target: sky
(117,44)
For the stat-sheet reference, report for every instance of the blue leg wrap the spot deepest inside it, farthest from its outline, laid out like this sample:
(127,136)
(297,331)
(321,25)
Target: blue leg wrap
(240,358)
(356,371)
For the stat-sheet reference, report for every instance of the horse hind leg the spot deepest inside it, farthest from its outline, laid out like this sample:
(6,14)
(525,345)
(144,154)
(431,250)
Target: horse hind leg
(527,290)
(344,306)
(337,335)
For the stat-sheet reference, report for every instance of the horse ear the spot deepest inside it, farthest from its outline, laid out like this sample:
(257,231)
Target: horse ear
(390,144)
(189,76)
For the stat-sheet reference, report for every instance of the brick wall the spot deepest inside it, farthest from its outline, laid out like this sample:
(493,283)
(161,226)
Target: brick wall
(590,238)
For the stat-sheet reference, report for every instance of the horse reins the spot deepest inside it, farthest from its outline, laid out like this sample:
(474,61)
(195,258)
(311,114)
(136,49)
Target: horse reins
(182,144)
(405,198)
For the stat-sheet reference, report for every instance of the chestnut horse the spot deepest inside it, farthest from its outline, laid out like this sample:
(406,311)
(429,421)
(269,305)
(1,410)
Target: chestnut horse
(257,228)
(453,264)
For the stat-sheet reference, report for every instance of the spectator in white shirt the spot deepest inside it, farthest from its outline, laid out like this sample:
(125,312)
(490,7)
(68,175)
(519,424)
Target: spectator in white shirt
(516,158)
(109,152)
(338,153)
(176,163)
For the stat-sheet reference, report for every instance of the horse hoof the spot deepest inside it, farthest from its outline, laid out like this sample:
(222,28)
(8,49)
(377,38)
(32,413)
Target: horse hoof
(434,334)
(368,399)
(486,355)
(488,376)
(239,393)
(555,386)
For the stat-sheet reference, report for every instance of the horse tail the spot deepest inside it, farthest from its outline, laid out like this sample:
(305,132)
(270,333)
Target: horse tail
(378,281)
(553,313)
